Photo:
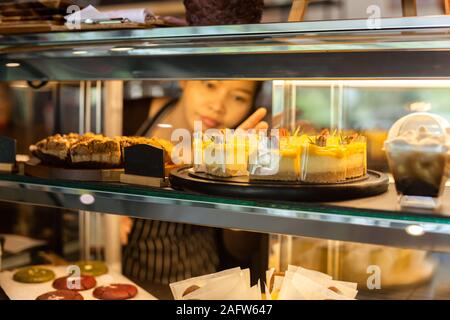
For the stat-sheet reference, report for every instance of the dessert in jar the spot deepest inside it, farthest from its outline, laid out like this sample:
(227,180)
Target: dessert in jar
(417,153)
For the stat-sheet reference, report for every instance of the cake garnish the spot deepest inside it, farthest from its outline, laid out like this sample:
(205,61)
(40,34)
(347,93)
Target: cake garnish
(349,138)
(322,138)
(298,131)
(284,132)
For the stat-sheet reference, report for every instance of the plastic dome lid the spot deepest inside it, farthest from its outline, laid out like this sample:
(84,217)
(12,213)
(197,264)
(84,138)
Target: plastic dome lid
(420,123)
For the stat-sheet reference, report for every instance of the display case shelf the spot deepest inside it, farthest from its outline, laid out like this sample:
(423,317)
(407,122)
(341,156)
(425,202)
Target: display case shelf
(369,220)
(396,48)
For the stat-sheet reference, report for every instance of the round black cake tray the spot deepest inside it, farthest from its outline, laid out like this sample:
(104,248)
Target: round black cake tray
(372,184)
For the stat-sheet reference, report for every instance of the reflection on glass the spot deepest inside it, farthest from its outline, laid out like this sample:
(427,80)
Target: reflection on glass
(366,106)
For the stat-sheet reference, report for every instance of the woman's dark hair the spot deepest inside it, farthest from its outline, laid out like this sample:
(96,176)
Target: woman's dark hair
(256,96)
(258,90)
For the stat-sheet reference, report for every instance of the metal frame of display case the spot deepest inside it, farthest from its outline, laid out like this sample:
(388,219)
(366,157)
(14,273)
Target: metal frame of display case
(397,48)
(372,222)
(384,48)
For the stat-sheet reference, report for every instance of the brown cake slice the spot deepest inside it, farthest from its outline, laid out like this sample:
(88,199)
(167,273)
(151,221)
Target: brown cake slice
(91,150)
(96,151)
(54,150)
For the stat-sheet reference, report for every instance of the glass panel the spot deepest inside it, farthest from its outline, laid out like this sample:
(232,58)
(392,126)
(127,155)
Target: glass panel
(368,106)
(381,272)
(94,52)
(369,208)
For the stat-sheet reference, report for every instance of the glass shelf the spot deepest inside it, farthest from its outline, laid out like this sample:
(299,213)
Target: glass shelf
(320,49)
(370,220)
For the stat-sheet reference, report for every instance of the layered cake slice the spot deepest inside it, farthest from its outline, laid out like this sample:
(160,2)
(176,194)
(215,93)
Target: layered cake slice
(278,164)
(198,148)
(226,159)
(91,150)
(323,160)
(54,149)
(96,151)
(356,155)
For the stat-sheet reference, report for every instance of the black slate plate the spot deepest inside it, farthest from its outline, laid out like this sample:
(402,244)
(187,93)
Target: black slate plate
(240,187)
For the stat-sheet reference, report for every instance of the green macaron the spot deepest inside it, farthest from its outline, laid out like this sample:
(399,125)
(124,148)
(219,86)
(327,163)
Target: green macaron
(92,268)
(33,275)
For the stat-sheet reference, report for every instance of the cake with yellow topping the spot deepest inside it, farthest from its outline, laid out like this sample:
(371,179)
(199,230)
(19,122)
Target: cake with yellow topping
(279,164)
(356,156)
(226,157)
(323,160)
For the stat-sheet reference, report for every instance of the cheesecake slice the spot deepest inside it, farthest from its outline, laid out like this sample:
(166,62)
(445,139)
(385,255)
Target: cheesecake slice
(278,164)
(323,160)
(227,159)
(356,156)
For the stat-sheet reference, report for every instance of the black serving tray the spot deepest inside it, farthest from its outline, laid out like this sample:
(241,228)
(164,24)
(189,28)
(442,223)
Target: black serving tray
(372,184)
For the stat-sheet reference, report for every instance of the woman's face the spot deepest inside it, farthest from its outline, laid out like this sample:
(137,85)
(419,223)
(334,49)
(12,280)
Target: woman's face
(217,104)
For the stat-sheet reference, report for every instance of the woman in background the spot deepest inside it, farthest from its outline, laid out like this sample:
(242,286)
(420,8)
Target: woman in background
(164,252)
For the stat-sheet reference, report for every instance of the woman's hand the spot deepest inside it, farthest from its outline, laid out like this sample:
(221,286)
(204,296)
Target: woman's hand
(125,228)
(255,121)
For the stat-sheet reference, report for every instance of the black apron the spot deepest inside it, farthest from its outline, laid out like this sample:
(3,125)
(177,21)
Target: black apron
(165,252)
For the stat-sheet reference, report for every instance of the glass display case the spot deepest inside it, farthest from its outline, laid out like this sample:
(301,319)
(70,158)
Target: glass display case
(340,75)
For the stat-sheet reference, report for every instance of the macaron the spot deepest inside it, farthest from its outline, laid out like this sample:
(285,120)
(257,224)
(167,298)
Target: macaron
(92,268)
(75,283)
(115,291)
(33,274)
(61,295)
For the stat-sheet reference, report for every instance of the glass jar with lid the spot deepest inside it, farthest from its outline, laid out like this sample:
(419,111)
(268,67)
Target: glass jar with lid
(416,149)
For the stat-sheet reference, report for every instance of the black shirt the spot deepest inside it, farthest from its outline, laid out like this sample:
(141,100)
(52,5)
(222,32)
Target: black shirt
(159,251)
